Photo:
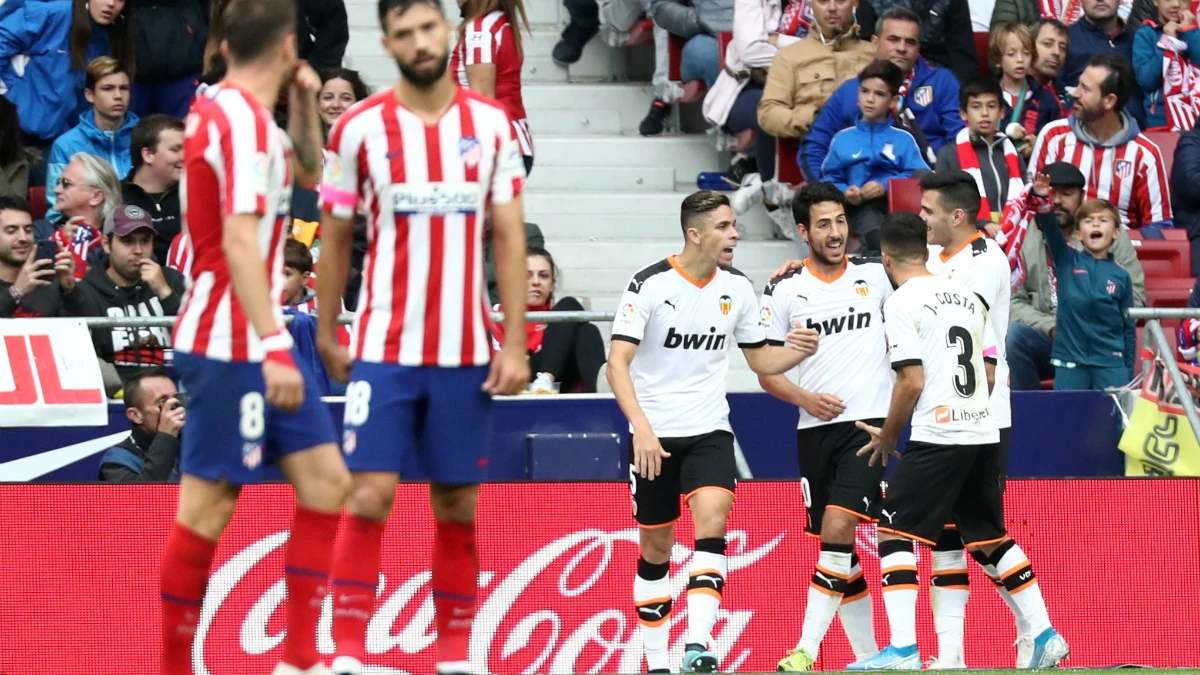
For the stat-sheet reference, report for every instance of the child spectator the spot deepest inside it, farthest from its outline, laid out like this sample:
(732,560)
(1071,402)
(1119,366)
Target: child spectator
(1094,342)
(106,130)
(1028,106)
(298,293)
(864,157)
(568,355)
(1168,47)
(982,150)
(59,39)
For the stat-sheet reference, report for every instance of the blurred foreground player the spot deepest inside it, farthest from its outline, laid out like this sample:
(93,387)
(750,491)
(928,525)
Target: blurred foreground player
(252,402)
(667,368)
(943,349)
(430,160)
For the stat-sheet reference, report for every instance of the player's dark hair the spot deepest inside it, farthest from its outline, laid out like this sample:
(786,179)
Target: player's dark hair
(146,134)
(297,256)
(133,385)
(700,204)
(979,86)
(15,203)
(955,190)
(388,6)
(896,13)
(254,27)
(887,71)
(1119,81)
(814,193)
(902,236)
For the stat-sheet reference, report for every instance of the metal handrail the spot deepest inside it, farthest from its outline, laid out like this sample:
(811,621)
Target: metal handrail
(498,317)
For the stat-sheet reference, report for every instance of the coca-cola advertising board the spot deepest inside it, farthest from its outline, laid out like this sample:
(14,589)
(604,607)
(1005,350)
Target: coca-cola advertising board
(1115,559)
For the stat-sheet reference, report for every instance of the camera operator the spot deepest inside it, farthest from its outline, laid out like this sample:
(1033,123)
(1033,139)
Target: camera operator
(151,453)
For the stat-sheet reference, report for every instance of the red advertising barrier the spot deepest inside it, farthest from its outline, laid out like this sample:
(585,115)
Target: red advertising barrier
(79,591)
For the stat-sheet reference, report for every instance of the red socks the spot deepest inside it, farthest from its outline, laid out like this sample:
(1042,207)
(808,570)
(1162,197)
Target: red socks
(183,578)
(354,578)
(455,582)
(306,563)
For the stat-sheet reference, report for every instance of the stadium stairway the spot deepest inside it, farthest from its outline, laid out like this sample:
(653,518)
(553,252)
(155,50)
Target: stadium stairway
(606,198)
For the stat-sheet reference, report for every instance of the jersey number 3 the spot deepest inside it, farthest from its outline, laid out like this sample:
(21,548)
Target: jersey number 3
(959,339)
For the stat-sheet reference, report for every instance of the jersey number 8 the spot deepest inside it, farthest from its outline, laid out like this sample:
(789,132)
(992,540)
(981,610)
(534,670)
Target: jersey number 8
(358,404)
(958,338)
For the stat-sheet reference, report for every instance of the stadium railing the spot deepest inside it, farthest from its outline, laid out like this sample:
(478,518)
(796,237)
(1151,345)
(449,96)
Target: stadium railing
(1166,352)
(498,317)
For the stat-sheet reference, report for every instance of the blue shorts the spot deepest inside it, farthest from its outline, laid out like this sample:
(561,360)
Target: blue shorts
(232,432)
(440,416)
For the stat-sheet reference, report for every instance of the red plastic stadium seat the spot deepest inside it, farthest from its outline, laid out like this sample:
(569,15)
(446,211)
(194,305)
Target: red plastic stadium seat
(37,199)
(1165,140)
(981,52)
(723,40)
(1175,234)
(1048,383)
(675,57)
(787,169)
(1159,297)
(1164,257)
(904,194)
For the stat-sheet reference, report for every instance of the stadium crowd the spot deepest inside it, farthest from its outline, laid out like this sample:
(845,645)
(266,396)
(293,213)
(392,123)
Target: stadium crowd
(1101,96)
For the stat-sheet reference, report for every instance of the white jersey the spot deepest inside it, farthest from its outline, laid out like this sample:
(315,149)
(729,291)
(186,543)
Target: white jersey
(982,267)
(847,311)
(940,325)
(682,328)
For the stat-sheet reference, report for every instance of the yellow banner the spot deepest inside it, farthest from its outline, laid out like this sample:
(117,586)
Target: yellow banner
(1159,441)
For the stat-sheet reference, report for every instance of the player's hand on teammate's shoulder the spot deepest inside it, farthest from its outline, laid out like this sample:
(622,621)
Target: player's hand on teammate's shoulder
(285,385)
(335,357)
(648,454)
(509,373)
(787,267)
(879,448)
(802,339)
(825,407)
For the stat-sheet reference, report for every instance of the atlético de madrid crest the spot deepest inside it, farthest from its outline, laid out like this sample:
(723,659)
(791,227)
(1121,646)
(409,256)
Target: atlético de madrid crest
(923,96)
(470,150)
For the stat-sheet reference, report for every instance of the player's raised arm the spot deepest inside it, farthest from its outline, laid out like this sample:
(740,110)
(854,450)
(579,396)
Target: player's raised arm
(510,366)
(304,125)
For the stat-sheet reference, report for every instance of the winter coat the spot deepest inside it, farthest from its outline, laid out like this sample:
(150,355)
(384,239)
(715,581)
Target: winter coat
(804,76)
(111,146)
(323,31)
(869,152)
(932,99)
(170,39)
(992,165)
(753,23)
(1148,67)
(35,66)
(689,19)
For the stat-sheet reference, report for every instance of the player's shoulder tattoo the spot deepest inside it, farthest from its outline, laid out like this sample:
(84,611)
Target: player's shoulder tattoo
(635,284)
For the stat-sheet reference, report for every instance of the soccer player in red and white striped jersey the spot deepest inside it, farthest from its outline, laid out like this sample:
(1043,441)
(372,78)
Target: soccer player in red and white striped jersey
(232,352)
(1121,165)
(488,59)
(179,256)
(430,161)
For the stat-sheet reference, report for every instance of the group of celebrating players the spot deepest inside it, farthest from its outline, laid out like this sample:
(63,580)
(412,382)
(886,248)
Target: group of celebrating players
(923,330)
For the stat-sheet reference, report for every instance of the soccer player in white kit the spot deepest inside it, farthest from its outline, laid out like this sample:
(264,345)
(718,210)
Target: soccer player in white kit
(959,251)
(667,367)
(943,349)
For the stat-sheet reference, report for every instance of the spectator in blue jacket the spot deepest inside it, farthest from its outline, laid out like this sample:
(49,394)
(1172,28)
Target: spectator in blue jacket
(1173,37)
(59,39)
(928,97)
(1100,31)
(1185,191)
(104,131)
(864,157)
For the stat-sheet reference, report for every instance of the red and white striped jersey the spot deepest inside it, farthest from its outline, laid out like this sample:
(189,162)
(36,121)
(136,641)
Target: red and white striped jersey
(1130,175)
(179,256)
(237,162)
(491,39)
(426,188)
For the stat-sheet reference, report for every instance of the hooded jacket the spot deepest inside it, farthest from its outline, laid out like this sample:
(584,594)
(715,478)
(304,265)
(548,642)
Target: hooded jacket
(871,152)
(164,212)
(35,66)
(1148,67)
(932,99)
(130,349)
(111,146)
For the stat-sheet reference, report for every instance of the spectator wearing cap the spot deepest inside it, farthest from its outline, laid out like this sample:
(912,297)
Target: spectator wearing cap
(151,452)
(32,285)
(132,285)
(1185,191)
(1034,305)
(105,130)
(157,154)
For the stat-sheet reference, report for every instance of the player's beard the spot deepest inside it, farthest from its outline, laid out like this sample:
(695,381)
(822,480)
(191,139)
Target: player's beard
(818,252)
(424,79)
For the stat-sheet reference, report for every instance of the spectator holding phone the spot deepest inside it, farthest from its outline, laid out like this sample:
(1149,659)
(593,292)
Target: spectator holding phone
(151,453)
(37,278)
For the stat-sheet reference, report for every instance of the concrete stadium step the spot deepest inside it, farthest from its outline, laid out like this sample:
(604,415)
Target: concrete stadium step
(559,122)
(621,97)
(603,225)
(580,255)
(686,155)
(602,178)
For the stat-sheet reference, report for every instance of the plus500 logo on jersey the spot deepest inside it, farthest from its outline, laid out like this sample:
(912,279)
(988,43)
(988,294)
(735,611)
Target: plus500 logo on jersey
(838,324)
(707,341)
(435,199)
(946,415)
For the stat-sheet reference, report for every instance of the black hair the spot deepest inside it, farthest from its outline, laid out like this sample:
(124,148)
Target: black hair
(896,13)
(956,190)
(698,204)
(360,88)
(133,385)
(979,86)
(387,6)
(15,203)
(1119,81)
(887,71)
(902,235)
(146,134)
(815,193)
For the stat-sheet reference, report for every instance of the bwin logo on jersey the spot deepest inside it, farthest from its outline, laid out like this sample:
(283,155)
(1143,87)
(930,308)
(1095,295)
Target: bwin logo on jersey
(838,324)
(709,342)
